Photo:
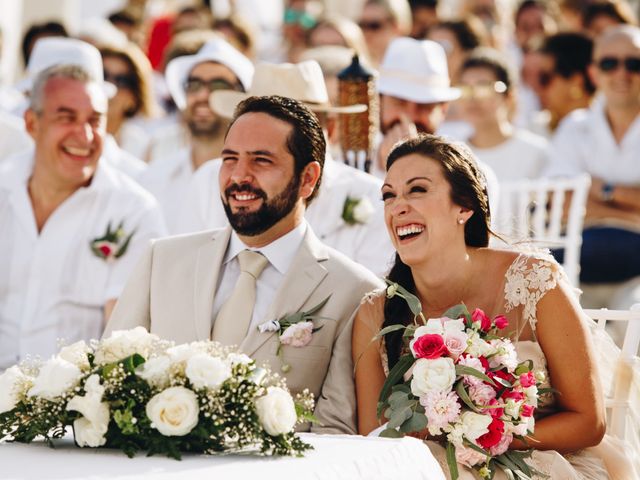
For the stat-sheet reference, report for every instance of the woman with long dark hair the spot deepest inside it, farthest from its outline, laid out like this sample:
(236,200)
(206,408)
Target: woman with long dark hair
(437,215)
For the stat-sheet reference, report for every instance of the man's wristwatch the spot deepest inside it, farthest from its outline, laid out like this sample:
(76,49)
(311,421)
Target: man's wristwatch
(606,192)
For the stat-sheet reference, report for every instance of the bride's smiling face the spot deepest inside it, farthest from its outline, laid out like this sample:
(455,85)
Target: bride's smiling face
(420,216)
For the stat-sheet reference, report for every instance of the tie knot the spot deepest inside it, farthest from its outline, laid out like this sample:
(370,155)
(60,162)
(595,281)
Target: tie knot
(252,262)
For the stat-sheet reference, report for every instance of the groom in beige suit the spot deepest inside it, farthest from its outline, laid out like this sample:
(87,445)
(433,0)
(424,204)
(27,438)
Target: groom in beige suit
(268,264)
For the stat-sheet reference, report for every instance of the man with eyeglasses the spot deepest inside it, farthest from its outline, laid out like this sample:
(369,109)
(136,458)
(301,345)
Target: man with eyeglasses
(604,141)
(190,80)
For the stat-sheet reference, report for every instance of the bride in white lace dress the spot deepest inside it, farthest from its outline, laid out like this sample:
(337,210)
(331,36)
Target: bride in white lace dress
(436,210)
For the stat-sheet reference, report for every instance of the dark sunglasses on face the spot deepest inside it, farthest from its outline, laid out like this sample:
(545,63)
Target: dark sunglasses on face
(373,25)
(194,84)
(121,81)
(609,64)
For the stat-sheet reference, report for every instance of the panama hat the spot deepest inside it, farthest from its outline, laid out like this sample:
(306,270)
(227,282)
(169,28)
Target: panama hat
(51,51)
(300,81)
(416,70)
(216,50)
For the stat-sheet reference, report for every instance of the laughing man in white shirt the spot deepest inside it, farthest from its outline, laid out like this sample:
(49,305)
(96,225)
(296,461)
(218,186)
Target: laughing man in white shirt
(71,227)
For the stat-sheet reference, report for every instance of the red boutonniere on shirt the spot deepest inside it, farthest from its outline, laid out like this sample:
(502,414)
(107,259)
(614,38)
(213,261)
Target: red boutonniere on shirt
(113,244)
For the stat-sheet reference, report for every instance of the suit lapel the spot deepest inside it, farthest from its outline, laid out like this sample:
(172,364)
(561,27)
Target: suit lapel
(300,281)
(208,265)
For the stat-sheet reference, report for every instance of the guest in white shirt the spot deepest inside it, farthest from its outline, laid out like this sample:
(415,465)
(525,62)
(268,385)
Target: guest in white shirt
(71,227)
(191,79)
(486,82)
(604,141)
(348,211)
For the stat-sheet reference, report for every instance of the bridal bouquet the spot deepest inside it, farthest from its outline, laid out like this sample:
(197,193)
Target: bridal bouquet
(462,382)
(134,391)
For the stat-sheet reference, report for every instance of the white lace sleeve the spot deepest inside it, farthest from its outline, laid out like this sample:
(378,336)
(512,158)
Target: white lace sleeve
(527,280)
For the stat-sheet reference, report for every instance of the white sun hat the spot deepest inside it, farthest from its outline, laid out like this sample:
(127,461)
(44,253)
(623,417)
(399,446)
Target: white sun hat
(301,81)
(215,50)
(50,51)
(416,70)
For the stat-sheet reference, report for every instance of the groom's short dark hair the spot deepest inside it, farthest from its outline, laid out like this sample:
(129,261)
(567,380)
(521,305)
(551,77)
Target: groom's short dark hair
(306,142)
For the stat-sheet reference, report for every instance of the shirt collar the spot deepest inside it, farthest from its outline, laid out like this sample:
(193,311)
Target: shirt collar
(280,252)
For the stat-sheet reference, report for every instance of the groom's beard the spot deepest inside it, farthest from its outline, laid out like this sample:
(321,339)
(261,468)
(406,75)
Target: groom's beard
(270,212)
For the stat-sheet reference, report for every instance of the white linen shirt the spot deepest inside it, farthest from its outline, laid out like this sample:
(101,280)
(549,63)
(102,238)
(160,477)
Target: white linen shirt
(584,143)
(366,243)
(52,285)
(280,254)
(168,180)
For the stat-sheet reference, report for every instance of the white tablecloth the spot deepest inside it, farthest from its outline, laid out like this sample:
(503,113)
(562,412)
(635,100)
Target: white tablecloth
(335,457)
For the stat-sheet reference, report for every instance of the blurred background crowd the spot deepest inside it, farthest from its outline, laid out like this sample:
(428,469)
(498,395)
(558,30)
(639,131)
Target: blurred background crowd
(541,91)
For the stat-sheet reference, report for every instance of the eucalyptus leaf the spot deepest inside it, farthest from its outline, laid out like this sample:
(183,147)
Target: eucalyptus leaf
(391,433)
(415,423)
(451,461)
(398,417)
(464,396)
(317,307)
(464,370)
(457,311)
(524,367)
(503,382)
(401,387)
(389,329)
(399,399)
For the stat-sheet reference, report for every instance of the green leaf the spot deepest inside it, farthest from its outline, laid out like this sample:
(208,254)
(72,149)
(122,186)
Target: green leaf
(401,387)
(399,399)
(464,370)
(132,362)
(395,375)
(317,307)
(389,329)
(412,301)
(451,461)
(458,311)
(391,433)
(503,382)
(524,367)
(416,423)
(464,396)
(398,417)
(123,248)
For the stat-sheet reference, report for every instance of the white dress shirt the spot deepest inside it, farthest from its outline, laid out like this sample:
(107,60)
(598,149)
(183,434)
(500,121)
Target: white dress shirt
(52,285)
(280,254)
(367,243)
(584,143)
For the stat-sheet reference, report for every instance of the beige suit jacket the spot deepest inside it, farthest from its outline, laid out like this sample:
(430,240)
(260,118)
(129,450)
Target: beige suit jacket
(171,293)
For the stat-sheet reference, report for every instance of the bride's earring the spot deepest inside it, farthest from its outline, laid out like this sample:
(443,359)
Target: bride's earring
(461,221)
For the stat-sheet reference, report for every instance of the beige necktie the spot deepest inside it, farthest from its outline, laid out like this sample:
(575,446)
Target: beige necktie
(234,317)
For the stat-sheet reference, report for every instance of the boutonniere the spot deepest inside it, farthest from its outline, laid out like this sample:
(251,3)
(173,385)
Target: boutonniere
(357,210)
(295,329)
(113,244)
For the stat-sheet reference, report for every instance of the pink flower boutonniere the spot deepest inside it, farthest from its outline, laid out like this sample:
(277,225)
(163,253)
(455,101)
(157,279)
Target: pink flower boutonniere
(113,244)
(295,330)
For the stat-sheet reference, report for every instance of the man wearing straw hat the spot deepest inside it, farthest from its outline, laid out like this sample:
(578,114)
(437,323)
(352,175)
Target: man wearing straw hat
(243,284)
(347,214)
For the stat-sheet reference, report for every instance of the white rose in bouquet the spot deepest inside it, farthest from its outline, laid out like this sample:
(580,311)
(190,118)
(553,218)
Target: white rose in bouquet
(56,377)
(155,371)
(433,326)
(174,411)
(123,343)
(475,425)
(435,375)
(182,353)
(91,428)
(205,371)
(276,411)
(505,354)
(239,359)
(10,391)
(363,210)
(451,325)
(478,347)
(76,353)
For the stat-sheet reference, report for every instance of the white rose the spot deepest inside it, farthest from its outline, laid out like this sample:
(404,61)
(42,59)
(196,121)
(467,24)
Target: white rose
(91,428)
(475,425)
(182,353)
(155,371)
(10,391)
(239,359)
(478,347)
(433,325)
(435,375)
(276,411)
(76,353)
(205,371)
(56,376)
(454,325)
(174,411)
(363,210)
(123,343)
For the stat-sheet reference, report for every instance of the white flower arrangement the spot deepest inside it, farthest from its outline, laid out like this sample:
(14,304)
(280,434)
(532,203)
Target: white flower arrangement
(357,210)
(134,391)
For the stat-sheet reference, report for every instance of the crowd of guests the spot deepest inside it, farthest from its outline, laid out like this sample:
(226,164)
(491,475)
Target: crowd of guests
(120,135)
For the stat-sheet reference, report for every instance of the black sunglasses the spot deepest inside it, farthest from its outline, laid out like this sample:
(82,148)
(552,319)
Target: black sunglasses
(121,81)
(194,84)
(374,25)
(609,64)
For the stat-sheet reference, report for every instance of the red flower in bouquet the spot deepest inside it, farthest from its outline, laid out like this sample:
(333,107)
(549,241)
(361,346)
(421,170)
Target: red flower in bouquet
(480,317)
(501,322)
(430,346)
(493,436)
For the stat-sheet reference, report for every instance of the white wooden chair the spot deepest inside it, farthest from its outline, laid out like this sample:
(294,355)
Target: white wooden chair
(533,210)
(619,395)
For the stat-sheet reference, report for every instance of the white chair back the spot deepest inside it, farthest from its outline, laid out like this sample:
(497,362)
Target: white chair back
(619,395)
(533,210)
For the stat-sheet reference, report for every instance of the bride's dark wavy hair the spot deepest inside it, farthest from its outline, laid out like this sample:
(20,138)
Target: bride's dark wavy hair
(468,189)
